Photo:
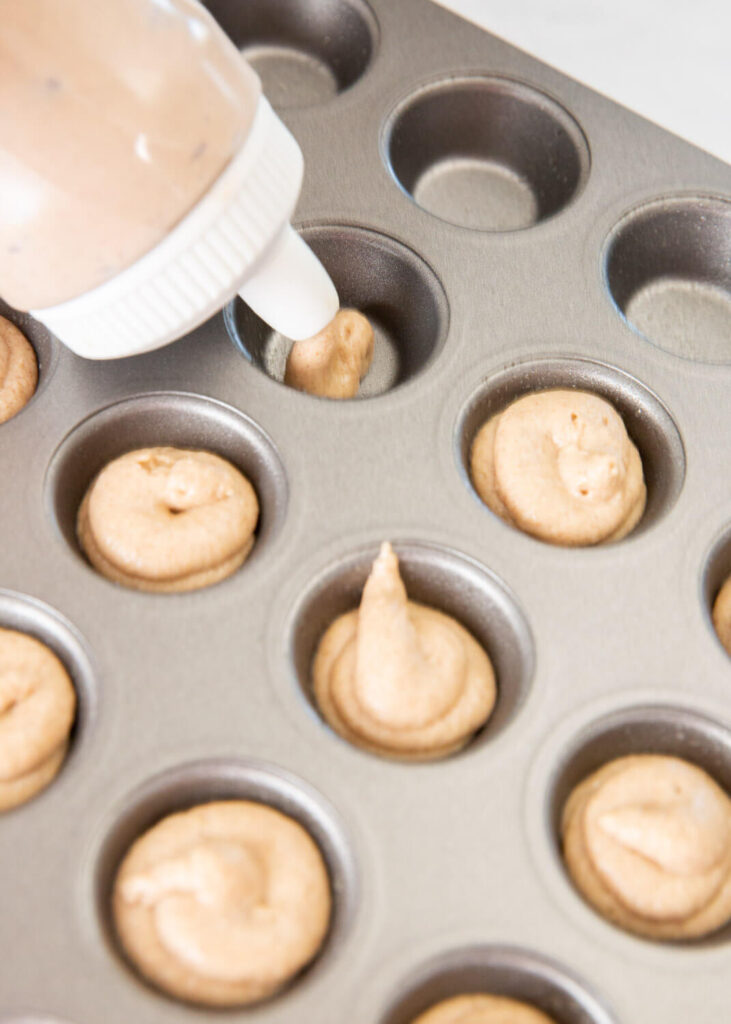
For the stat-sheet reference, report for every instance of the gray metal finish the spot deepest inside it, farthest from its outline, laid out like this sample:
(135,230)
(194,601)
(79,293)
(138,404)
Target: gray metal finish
(445,875)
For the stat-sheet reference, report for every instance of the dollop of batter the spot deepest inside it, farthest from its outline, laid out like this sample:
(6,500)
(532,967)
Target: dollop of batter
(647,841)
(37,708)
(168,519)
(332,363)
(398,678)
(722,615)
(560,466)
(224,903)
(18,370)
(479,1008)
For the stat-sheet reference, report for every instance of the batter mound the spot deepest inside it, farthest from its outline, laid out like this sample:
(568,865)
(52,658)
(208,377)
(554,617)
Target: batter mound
(647,841)
(400,679)
(18,370)
(168,519)
(483,1009)
(222,904)
(37,708)
(333,362)
(560,466)
(722,615)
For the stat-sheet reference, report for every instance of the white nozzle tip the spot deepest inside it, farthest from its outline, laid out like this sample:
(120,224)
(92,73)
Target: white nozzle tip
(291,290)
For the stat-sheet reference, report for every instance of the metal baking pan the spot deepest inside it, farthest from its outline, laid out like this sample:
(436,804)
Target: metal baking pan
(506,229)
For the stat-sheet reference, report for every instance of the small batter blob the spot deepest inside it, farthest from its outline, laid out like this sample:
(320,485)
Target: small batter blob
(333,362)
(224,903)
(168,519)
(37,709)
(647,841)
(560,466)
(481,1008)
(18,370)
(401,679)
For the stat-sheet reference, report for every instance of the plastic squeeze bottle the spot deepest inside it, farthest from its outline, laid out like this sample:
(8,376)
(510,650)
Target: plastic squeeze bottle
(144,178)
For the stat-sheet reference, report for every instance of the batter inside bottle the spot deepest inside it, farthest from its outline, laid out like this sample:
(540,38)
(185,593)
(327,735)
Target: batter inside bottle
(109,155)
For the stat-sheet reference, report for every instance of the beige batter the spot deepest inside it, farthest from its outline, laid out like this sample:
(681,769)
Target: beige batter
(647,841)
(18,370)
(401,679)
(168,519)
(722,615)
(482,1009)
(37,708)
(560,466)
(333,362)
(117,117)
(224,903)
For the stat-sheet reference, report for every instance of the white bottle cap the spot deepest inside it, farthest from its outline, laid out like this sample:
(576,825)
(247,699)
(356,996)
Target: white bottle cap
(237,238)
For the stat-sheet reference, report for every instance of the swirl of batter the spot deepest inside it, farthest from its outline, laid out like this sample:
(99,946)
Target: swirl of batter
(18,370)
(401,679)
(647,841)
(168,519)
(722,615)
(333,362)
(479,1008)
(37,708)
(560,466)
(224,903)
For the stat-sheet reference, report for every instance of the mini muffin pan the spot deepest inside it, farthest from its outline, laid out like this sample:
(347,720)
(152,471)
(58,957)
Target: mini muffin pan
(506,229)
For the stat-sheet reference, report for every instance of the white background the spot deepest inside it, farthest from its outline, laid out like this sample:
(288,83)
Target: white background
(669,60)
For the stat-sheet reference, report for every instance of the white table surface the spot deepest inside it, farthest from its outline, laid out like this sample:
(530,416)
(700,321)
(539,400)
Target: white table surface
(669,60)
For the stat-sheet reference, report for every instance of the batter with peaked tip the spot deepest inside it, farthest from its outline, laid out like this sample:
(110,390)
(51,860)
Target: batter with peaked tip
(18,370)
(482,1008)
(560,466)
(401,679)
(333,362)
(647,841)
(224,903)
(168,519)
(37,709)
(722,615)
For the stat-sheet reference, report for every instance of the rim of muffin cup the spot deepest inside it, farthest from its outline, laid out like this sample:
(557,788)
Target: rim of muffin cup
(340,37)
(495,119)
(681,238)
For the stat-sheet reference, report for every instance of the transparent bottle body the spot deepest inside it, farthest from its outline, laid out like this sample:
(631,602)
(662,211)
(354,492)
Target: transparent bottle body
(115,118)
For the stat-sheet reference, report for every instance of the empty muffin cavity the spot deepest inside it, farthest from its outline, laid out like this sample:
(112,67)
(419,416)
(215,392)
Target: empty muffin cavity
(648,423)
(204,782)
(36,619)
(392,286)
(166,419)
(490,154)
(665,730)
(439,578)
(503,971)
(668,270)
(305,51)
